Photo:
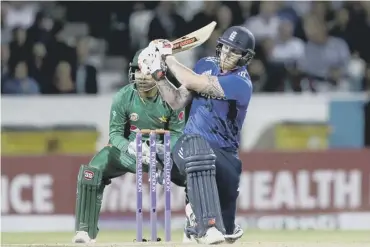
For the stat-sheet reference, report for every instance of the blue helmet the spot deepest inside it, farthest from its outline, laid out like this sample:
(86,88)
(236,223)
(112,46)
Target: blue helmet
(238,38)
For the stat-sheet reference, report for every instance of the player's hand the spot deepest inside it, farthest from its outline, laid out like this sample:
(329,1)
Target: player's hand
(162,46)
(146,59)
(150,63)
(132,150)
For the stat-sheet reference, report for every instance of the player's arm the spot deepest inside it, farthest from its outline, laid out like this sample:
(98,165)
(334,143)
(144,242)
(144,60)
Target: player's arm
(207,84)
(176,125)
(176,98)
(117,122)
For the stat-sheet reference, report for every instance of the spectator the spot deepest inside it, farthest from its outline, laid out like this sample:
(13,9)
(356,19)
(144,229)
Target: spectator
(245,8)
(257,72)
(6,32)
(57,47)
(270,74)
(37,67)
(57,50)
(205,16)
(266,23)
(319,10)
(187,9)
(86,81)
(5,53)
(18,47)
(138,26)
(63,83)
(21,83)
(166,24)
(326,57)
(287,48)
(39,31)
(224,18)
(340,27)
(20,14)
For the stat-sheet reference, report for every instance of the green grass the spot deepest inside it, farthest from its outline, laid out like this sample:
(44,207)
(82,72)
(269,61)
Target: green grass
(309,236)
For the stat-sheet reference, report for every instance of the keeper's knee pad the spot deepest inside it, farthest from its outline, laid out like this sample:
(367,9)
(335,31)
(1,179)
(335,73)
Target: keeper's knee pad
(90,187)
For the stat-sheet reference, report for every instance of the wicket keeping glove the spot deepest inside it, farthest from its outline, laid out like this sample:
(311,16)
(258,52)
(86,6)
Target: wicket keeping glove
(131,149)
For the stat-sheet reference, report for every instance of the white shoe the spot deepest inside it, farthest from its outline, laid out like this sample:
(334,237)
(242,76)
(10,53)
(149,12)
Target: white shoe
(238,233)
(212,236)
(82,237)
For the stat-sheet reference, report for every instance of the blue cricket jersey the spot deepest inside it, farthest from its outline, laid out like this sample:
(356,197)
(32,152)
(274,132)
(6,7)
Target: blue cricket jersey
(220,120)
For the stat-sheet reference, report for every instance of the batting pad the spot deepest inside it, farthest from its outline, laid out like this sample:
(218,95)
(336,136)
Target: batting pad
(201,184)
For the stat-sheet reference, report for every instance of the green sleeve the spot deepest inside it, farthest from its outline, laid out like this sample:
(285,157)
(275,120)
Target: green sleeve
(117,122)
(176,125)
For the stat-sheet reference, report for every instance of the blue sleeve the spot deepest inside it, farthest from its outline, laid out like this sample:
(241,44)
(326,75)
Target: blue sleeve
(236,88)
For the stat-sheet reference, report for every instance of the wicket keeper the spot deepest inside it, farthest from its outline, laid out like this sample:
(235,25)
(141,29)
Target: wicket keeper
(136,106)
(219,90)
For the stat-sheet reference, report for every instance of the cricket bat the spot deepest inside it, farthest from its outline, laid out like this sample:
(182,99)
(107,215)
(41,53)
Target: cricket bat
(193,39)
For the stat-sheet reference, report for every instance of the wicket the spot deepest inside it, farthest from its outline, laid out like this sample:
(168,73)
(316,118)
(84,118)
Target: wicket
(153,184)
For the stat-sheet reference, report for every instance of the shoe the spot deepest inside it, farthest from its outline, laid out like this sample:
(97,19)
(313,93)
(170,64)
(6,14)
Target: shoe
(212,236)
(238,233)
(82,237)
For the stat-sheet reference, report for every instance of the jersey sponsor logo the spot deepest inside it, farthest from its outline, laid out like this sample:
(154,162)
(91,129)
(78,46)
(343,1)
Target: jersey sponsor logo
(134,128)
(211,97)
(208,72)
(232,36)
(163,119)
(134,116)
(88,175)
(181,115)
(211,59)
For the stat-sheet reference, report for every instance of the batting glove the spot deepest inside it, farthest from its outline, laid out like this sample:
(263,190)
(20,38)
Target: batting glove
(163,46)
(150,63)
(146,59)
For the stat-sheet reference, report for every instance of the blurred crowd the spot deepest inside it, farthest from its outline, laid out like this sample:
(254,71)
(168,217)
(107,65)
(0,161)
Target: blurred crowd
(301,45)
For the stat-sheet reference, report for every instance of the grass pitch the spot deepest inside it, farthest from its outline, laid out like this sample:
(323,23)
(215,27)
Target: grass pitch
(309,238)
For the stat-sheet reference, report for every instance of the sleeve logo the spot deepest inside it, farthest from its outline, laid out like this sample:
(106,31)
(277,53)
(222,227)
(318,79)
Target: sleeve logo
(181,115)
(134,116)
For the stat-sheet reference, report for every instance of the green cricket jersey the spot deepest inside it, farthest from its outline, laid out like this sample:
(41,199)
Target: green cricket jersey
(130,113)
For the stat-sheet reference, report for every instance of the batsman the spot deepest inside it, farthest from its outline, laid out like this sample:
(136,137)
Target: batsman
(218,91)
(136,106)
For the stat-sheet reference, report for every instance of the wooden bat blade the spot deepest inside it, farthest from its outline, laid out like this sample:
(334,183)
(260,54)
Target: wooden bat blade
(193,39)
